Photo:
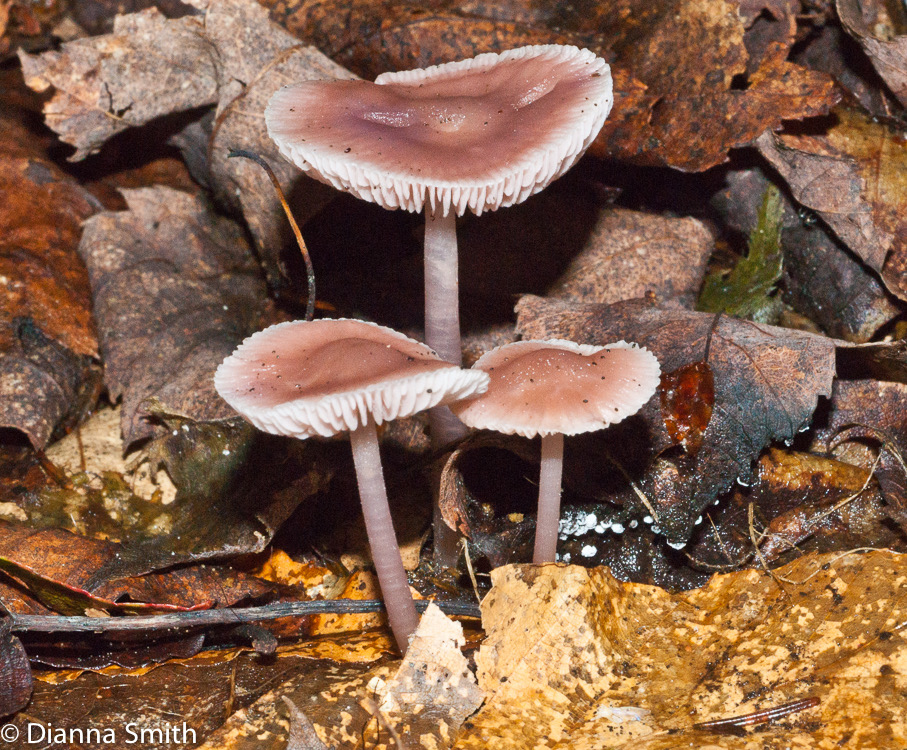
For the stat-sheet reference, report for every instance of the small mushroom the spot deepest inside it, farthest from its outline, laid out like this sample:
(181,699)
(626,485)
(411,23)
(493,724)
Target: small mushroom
(556,388)
(308,378)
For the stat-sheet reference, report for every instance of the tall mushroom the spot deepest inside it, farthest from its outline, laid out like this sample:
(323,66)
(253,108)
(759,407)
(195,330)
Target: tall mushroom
(307,378)
(556,388)
(475,134)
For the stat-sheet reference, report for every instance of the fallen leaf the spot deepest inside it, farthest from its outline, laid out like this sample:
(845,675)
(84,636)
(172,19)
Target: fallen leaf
(176,289)
(687,401)
(630,253)
(434,690)
(872,24)
(767,383)
(163,66)
(851,174)
(47,336)
(15,673)
(574,658)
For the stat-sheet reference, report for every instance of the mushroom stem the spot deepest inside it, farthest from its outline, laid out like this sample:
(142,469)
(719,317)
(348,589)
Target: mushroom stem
(549,509)
(401,611)
(442,333)
(442,286)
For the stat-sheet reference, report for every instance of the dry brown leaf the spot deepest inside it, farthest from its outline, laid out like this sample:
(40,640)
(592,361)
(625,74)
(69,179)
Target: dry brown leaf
(228,54)
(852,175)
(47,335)
(176,289)
(575,659)
(148,67)
(876,26)
(630,253)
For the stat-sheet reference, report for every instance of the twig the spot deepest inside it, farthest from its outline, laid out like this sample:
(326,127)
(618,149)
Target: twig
(310,270)
(756,542)
(212,617)
(758,717)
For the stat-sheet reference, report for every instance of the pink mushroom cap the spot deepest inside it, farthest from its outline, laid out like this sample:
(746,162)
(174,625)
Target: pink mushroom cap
(322,377)
(560,387)
(479,133)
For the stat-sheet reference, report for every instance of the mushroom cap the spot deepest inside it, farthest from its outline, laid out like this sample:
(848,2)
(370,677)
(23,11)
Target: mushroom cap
(321,377)
(550,387)
(479,133)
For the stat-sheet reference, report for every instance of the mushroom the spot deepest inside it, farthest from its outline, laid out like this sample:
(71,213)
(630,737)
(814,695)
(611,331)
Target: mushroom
(556,388)
(479,134)
(308,378)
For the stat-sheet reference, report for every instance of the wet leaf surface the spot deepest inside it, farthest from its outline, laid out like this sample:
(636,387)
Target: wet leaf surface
(15,673)
(767,383)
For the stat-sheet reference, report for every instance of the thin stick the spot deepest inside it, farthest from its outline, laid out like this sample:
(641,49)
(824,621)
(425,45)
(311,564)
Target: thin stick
(179,621)
(309,269)
(756,542)
(757,717)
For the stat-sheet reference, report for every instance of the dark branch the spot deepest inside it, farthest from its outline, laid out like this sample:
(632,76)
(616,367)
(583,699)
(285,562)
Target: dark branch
(181,621)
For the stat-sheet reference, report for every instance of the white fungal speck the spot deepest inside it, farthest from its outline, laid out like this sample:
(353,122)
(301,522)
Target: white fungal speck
(226,451)
(634,523)
(588,551)
(656,529)
(617,528)
(741,483)
(677,545)
(647,519)
(697,521)
(566,557)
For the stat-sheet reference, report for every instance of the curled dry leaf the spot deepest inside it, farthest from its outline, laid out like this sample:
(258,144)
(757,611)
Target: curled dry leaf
(875,26)
(176,289)
(852,175)
(227,54)
(630,253)
(47,335)
(148,67)
(767,381)
(574,657)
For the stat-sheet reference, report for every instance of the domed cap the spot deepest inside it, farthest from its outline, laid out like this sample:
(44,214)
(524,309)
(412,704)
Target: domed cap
(479,133)
(321,377)
(550,387)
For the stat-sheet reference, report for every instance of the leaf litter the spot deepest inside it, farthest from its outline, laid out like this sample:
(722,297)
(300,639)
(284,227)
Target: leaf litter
(736,664)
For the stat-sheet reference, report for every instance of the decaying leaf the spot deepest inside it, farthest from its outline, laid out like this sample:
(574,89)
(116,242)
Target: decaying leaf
(227,54)
(176,289)
(879,28)
(161,66)
(47,336)
(575,659)
(434,690)
(767,383)
(15,673)
(629,254)
(852,175)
